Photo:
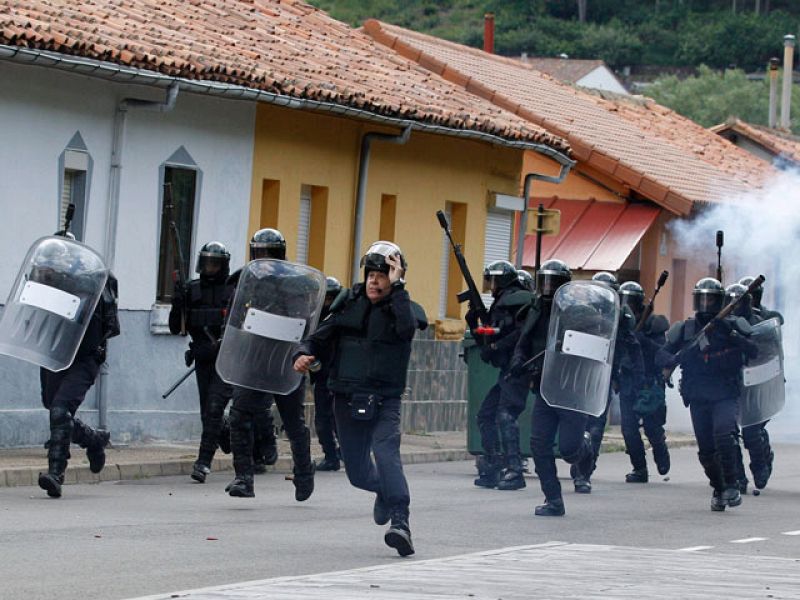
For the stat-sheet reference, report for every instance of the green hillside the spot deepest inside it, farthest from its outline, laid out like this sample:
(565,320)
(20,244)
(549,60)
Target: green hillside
(621,32)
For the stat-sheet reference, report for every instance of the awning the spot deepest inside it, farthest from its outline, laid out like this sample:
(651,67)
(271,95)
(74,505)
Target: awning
(594,236)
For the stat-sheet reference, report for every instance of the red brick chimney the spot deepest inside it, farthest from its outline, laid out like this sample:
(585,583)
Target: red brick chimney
(488,33)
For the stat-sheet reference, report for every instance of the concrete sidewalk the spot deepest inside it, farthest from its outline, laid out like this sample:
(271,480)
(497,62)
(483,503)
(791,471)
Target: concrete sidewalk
(21,466)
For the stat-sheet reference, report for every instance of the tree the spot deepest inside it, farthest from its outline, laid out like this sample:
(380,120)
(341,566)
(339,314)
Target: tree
(712,97)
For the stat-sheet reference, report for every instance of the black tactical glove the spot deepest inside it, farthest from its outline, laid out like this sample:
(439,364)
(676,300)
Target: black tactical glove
(188,357)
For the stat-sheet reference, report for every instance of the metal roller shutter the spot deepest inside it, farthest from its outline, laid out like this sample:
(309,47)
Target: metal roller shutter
(497,246)
(304,226)
(444,268)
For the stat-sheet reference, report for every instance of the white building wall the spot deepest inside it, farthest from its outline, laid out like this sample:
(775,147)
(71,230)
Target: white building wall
(602,79)
(40,111)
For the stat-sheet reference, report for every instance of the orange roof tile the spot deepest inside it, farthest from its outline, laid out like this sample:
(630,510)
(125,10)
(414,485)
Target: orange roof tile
(665,157)
(285,47)
(780,143)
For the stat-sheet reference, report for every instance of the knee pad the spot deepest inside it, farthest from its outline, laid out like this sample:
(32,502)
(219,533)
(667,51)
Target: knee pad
(60,416)
(584,447)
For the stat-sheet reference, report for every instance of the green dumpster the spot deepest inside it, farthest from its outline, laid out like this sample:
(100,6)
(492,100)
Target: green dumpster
(480,378)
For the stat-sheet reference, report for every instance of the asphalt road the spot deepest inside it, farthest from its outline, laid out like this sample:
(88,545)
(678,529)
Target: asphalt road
(120,540)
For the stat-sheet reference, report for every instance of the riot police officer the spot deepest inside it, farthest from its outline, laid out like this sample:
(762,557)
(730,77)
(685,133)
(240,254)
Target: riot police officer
(324,422)
(64,391)
(755,436)
(547,422)
(526,279)
(711,384)
(199,310)
(506,400)
(368,345)
(627,379)
(645,406)
(251,408)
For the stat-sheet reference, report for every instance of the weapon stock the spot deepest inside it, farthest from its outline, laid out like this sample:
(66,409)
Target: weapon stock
(471,294)
(68,218)
(177,251)
(722,314)
(648,310)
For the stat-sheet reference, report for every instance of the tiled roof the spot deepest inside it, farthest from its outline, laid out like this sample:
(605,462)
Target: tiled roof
(780,143)
(659,154)
(563,69)
(280,46)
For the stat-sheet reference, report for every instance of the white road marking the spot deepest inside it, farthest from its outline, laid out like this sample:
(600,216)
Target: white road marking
(797,532)
(695,548)
(749,540)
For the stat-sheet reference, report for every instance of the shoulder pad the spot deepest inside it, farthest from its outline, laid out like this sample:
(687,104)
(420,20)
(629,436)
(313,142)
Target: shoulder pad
(517,298)
(419,314)
(233,278)
(339,301)
(675,333)
(657,325)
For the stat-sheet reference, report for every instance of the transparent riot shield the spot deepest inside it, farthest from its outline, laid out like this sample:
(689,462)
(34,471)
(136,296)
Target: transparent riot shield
(52,302)
(277,304)
(764,385)
(580,347)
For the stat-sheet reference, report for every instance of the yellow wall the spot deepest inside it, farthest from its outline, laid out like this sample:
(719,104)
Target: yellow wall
(298,147)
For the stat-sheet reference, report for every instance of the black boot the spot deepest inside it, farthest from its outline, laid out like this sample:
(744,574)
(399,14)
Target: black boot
(728,450)
(512,478)
(61,426)
(552,507)
(303,467)
(241,487)
(637,476)
(717,503)
(713,471)
(398,536)
(200,472)
(329,463)
(52,481)
(489,470)
(756,440)
(94,441)
(381,512)
(582,469)
(271,453)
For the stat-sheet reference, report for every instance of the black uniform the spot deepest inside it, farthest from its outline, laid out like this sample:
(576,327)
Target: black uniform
(644,404)
(250,419)
(205,301)
(369,346)
(548,423)
(64,391)
(506,399)
(711,387)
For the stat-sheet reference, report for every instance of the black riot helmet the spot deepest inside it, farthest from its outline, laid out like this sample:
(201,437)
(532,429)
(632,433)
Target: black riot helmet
(332,289)
(608,278)
(526,279)
(758,293)
(631,294)
(552,275)
(737,290)
(213,261)
(708,296)
(498,275)
(375,257)
(268,243)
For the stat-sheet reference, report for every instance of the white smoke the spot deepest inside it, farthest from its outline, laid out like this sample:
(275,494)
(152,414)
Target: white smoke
(762,231)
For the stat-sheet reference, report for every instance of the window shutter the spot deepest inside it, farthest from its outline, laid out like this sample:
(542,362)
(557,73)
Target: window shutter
(444,268)
(497,242)
(304,225)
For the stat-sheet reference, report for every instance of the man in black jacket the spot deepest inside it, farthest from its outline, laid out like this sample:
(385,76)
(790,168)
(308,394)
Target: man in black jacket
(368,344)
(645,405)
(711,384)
(506,400)
(199,310)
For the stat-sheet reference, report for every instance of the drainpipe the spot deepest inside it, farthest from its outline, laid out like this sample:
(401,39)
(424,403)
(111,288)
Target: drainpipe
(112,209)
(566,165)
(488,33)
(773,92)
(788,65)
(361,195)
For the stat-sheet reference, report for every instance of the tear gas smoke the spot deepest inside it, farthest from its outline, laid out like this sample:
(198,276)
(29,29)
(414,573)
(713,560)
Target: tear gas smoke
(762,234)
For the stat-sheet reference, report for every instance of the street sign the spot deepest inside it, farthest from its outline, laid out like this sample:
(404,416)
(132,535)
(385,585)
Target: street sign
(551,221)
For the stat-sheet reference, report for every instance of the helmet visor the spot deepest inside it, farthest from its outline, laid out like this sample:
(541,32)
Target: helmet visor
(708,302)
(547,282)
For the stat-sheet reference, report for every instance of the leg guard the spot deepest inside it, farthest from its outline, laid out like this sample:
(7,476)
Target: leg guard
(756,440)
(94,441)
(242,442)
(303,465)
